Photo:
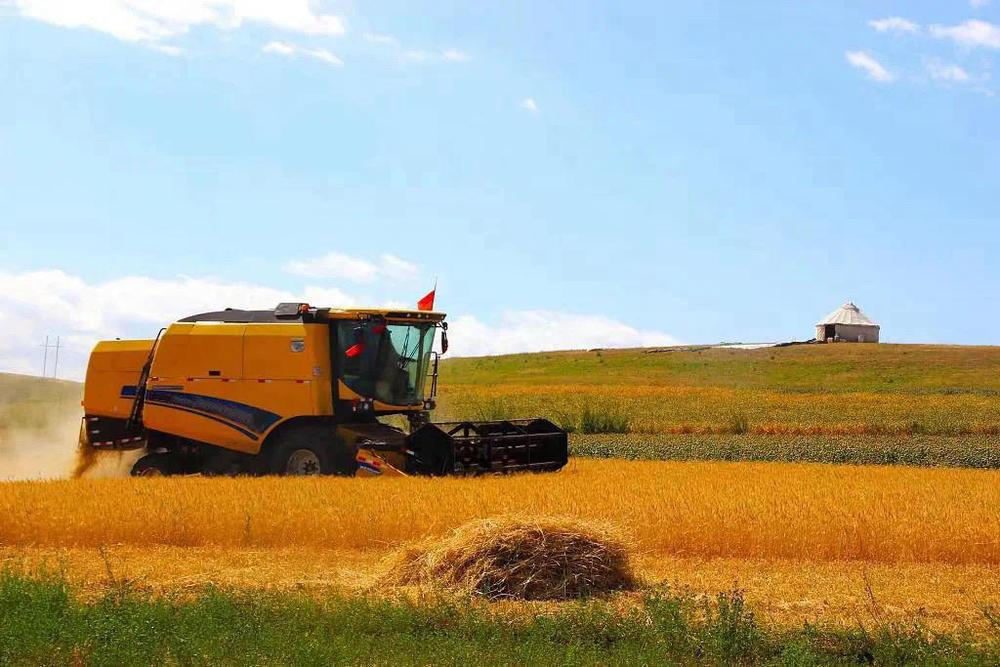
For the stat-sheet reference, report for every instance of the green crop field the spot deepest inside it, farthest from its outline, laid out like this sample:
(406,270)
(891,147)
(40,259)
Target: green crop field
(902,404)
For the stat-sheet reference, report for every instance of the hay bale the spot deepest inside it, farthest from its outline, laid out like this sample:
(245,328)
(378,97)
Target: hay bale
(519,558)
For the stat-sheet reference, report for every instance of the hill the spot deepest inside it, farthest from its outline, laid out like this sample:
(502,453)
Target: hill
(27,401)
(821,369)
(887,389)
(919,404)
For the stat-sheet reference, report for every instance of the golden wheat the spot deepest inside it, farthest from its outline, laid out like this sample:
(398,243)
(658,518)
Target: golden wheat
(822,513)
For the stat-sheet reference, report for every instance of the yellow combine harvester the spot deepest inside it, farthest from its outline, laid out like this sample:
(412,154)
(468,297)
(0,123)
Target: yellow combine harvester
(296,391)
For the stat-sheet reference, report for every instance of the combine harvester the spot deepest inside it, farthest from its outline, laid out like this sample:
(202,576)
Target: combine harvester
(296,391)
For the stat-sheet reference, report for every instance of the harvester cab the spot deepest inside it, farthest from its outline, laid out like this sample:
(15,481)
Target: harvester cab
(297,390)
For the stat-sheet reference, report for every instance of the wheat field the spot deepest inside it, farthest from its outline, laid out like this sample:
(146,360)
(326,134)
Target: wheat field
(808,542)
(815,512)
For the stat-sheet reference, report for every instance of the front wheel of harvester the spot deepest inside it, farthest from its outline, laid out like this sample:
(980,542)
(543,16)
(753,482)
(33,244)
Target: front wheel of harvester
(311,450)
(152,465)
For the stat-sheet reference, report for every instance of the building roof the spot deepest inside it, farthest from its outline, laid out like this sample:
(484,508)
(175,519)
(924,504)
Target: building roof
(848,314)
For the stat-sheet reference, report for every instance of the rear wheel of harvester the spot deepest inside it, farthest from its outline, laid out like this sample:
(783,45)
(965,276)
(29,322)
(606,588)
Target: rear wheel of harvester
(224,462)
(311,450)
(152,465)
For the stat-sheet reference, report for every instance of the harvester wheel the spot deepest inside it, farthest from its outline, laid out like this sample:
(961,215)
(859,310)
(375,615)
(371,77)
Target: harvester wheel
(152,465)
(311,450)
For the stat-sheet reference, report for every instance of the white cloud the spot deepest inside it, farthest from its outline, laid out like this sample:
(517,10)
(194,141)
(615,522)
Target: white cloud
(455,56)
(425,56)
(979,3)
(286,49)
(34,304)
(325,56)
(168,49)
(404,55)
(873,68)
(339,265)
(894,24)
(540,330)
(970,34)
(946,72)
(376,38)
(397,268)
(414,56)
(529,104)
(278,47)
(152,20)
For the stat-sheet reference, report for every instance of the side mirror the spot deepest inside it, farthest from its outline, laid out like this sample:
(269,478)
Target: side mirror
(444,341)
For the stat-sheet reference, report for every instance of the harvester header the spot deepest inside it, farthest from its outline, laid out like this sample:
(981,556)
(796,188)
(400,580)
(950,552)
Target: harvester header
(296,390)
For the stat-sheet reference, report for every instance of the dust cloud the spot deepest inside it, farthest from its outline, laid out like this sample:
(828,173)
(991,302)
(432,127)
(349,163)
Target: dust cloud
(93,464)
(42,452)
(53,451)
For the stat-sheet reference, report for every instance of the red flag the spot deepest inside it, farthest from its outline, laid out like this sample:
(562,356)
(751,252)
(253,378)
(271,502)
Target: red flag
(427,303)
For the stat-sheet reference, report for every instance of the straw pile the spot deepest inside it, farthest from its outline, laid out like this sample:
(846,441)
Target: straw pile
(519,558)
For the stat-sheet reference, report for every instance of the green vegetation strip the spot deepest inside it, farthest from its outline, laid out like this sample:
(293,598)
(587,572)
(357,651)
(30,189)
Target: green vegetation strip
(964,451)
(42,623)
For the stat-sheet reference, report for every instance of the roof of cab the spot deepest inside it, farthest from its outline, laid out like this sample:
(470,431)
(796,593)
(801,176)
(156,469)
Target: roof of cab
(232,315)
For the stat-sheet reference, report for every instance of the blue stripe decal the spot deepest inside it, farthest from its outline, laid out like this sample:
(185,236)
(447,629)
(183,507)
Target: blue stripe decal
(250,418)
(202,414)
(128,391)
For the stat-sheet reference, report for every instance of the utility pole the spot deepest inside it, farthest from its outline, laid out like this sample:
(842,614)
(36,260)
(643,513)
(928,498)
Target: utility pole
(45,357)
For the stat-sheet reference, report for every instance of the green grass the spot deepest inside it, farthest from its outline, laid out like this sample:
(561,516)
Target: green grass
(916,450)
(841,368)
(600,419)
(588,418)
(41,622)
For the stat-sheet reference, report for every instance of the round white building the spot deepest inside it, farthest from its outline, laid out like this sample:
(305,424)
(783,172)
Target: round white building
(847,323)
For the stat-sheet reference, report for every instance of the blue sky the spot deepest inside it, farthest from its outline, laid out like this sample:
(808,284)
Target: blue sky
(574,174)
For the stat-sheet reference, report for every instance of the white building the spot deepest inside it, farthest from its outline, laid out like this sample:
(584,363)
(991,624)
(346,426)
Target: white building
(847,323)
